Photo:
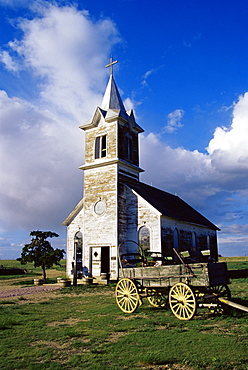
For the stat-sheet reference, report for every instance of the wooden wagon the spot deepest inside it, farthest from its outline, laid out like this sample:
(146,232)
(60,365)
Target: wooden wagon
(186,286)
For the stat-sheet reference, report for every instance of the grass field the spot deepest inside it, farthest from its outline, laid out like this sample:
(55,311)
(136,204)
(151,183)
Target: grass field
(82,328)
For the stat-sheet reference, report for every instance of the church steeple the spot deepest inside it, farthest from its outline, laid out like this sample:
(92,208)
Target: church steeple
(112,134)
(112,99)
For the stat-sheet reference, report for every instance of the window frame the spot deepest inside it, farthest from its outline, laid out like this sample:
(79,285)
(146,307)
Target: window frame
(176,242)
(101,146)
(147,244)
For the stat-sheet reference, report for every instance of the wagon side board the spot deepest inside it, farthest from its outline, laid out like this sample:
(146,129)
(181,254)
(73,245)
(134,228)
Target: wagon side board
(197,274)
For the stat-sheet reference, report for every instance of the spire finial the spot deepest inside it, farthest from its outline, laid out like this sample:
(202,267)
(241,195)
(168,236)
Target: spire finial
(111,65)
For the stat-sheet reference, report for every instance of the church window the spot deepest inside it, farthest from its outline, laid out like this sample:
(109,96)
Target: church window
(208,242)
(78,251)
(194,241)
(144,238)
(101,146)
(128,147)
(176,238)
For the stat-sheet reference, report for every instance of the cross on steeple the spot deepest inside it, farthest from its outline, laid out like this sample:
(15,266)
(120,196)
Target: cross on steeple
(111,65)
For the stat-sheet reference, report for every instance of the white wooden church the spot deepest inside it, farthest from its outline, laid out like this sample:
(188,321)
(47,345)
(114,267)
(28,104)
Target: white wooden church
(117,210)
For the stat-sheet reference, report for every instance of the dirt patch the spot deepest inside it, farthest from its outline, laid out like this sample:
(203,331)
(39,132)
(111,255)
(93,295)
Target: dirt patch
(28,290)
(53,344)
(69,322)
(114,337)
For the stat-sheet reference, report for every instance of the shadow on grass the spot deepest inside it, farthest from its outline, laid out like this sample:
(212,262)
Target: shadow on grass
(238,274)
(10,277)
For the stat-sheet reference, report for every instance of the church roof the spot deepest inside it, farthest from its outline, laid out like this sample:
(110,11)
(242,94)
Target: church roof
(74,213)
(171,205)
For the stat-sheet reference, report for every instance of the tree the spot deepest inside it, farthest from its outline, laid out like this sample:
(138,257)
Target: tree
(41,252)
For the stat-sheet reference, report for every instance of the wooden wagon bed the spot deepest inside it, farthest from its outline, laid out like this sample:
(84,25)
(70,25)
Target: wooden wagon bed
(196,274)
(185,286)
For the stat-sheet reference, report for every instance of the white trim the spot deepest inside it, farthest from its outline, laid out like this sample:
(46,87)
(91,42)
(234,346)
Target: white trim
(105,162)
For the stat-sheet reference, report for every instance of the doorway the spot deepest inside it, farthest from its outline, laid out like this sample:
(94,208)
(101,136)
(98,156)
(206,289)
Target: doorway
(105,267)
(100,260)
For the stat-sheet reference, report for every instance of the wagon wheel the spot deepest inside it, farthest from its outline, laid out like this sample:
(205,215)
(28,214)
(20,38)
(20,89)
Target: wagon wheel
(126,295)
(182,301)
(221,291)
(157,299)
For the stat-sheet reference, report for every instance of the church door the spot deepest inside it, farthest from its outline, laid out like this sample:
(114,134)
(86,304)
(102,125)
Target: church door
(99,260)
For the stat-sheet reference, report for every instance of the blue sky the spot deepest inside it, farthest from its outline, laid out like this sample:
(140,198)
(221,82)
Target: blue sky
(182,67)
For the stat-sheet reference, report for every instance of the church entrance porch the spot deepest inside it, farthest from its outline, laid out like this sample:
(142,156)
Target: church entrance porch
(100,262)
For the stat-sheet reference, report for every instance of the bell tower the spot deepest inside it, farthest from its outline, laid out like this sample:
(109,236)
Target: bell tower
(111,161)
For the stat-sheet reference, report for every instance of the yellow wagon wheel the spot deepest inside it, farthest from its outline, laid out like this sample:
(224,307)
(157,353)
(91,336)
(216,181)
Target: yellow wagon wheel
(182,301)
(126,295)
(157,299)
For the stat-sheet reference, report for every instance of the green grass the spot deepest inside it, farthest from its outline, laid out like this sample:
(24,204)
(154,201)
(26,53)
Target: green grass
(234,263)
(32,272)
(15,263)
(82,328)
(29,265)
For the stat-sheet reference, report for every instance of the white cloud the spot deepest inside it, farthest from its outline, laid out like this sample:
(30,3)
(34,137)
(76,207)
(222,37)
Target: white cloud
(35,148)
(128,104)
(174,121)
(228,149)
(65,48)
(236,229)
(7,60)
(224,166)
(233,245)
(189,174)
(14,3)
(148,73)
(41,146)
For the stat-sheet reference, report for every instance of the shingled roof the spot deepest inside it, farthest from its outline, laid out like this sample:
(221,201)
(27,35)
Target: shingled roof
(171,205)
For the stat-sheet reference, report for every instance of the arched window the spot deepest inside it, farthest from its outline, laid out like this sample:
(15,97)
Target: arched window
(144,238)
(208,242)
(78,250)
(128,147)
(101,146)
(176,238)
(194,241)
